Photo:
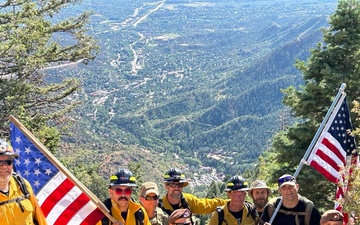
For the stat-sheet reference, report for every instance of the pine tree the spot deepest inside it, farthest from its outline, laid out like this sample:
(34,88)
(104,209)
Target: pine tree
(35,36)
(334,61)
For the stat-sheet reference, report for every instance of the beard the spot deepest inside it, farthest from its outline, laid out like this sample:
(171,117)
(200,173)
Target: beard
(176,194)
(5,178)
(260,203)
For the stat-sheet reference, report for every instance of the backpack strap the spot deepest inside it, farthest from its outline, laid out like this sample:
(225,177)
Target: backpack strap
(252,211)
(161,205)
(107,203)
(272,205)
(184,203)
(309,205)
(220,212)
(139,216)
(22,185)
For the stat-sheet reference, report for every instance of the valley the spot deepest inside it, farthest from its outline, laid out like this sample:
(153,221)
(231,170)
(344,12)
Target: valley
(202,79)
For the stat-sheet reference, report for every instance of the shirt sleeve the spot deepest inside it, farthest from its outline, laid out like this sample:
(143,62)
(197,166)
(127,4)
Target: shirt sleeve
(203,205)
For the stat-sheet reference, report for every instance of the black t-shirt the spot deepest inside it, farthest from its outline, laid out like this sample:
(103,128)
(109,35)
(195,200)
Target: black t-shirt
(176,206)
(281,218)
(124,215)
(237,215)
(260,213)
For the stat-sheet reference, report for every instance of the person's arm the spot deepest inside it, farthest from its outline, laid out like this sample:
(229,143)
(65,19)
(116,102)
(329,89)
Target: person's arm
(37,214)
(203,205)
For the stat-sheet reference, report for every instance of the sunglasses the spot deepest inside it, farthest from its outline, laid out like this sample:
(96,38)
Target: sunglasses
(285,179)
(126,191)
(151,198)
(174,185)
(6,162)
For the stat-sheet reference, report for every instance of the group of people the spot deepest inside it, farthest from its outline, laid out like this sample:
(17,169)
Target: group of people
(18,205)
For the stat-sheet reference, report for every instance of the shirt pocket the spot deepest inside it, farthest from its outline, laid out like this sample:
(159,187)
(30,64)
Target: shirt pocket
(28,211)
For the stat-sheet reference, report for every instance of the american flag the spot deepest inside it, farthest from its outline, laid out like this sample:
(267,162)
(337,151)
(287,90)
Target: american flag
(335,150)
(60,199)
(329,154)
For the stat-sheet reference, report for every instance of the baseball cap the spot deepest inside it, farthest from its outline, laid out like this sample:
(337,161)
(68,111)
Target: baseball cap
(180,213)
(286,179)
(331,215)
(147,188)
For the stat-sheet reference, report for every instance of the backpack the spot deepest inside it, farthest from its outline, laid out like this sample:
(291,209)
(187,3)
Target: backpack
(250,208)
(159,217)
(309,205)
(139,214)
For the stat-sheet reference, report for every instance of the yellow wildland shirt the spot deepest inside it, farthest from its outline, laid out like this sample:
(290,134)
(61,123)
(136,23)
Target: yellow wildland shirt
(229,219)
(10,210)
(130,219)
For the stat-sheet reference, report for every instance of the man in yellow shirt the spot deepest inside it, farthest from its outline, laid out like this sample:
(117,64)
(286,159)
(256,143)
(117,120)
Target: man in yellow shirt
(175,181)
(237,211)
(18,204)
(125,211)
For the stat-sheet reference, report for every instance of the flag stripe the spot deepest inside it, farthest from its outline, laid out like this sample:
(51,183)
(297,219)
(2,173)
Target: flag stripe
(63,204)
(87,216)
(335,151)
(72,209)
(54,197)
(50,187)
(330,161)
(324,171)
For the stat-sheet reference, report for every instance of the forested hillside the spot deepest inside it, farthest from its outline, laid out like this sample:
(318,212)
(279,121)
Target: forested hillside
(200,79)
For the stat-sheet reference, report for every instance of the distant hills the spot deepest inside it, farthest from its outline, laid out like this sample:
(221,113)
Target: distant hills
(201,79)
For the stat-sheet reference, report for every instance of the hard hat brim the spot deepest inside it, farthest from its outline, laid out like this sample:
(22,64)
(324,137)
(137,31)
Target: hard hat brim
(172,181)
(10,154)
(241,189)
(126,185)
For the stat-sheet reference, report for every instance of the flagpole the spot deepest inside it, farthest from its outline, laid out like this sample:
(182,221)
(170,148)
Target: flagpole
(340,94)
(62,168)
